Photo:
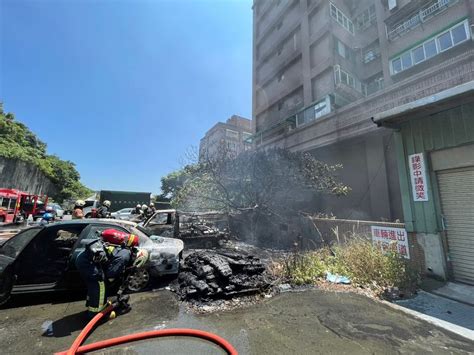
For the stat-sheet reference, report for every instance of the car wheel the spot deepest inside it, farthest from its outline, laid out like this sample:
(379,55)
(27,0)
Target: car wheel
(138,280)
(6,285)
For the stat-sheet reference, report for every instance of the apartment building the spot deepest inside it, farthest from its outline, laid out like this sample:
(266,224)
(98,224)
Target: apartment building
(233,136)
(322,69)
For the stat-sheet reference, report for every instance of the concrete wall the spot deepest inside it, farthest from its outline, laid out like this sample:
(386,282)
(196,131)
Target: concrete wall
(291,45)
(370,169)
(15,174)
(285,24)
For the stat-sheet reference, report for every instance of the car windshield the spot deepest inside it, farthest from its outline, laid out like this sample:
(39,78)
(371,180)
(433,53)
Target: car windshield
(143,237)
(16,244)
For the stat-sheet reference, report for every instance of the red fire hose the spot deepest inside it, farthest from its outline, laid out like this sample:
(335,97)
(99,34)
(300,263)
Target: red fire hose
(76,347)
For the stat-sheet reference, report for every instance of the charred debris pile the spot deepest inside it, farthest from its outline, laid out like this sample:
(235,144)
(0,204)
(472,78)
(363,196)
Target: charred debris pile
(207,276)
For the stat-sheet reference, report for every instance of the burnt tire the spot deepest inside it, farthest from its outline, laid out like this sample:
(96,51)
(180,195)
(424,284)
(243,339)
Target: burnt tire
(6,286)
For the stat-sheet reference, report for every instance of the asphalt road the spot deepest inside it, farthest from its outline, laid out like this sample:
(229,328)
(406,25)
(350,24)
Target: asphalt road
(310,322)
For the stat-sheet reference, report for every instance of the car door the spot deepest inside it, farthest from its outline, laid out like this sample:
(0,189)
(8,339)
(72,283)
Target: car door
(162,224)
(44,262)
(91,232)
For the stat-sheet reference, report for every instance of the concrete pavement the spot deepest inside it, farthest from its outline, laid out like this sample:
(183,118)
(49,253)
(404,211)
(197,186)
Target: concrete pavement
(309,322)
(452,315)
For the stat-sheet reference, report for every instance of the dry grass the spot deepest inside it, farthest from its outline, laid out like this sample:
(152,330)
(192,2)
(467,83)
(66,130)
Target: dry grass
(365,265)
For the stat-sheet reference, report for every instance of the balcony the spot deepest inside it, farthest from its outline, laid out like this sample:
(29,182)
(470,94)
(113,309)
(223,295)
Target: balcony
(423,15)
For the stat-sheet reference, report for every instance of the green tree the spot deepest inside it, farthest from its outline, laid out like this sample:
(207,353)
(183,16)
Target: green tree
(18,142)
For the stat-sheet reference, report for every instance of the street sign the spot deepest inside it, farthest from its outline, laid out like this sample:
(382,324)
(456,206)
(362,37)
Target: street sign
(391,239)
(418,177)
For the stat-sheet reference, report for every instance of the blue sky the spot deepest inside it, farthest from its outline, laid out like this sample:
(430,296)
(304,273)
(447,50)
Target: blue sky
(123,88)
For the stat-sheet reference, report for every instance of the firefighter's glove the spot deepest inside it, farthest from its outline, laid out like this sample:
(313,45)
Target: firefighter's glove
(141,257)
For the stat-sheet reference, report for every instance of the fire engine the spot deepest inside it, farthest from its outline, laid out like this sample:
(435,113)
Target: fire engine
(16,205)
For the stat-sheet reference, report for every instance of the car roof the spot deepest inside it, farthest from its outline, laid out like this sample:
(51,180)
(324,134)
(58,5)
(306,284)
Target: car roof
(93,220)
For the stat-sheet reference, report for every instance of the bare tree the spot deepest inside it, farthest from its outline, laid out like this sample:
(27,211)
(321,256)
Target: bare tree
(268,180)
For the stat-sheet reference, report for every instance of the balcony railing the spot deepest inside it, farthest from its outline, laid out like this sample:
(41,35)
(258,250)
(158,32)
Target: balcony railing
(421,16)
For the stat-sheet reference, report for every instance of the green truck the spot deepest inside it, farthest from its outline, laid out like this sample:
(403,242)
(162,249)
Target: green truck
(124,199)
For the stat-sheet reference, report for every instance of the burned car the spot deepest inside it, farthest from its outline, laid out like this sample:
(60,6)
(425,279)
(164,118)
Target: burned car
(42,258)
(196,229)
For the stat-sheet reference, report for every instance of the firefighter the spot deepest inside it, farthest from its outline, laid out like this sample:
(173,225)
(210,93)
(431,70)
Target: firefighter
(46,219)
(103,211)
(146,212)
(137,210)
(77,212)
(104,262)
(152,208)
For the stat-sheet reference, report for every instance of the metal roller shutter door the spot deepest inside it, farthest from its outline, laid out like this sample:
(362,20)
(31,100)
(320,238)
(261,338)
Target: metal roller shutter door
(457,201)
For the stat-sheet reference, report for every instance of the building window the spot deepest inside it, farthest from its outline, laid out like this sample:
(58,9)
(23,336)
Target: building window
(319,109)
(445,41)
(366,18)
(247,137)
(373,85)
(231,146)
(430,48)
(341,19)
(371,55)
(230,133)
(343,77)
(406,60)
(459,34)
(418,54)
(343,50)
(453,36)
(313,112)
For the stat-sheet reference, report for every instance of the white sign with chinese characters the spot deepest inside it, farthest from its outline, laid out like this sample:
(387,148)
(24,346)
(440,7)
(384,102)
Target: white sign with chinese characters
(418,177)
(391,239)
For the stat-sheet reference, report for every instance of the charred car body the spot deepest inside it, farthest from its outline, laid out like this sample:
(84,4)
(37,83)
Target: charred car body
(42,259)
(197,230)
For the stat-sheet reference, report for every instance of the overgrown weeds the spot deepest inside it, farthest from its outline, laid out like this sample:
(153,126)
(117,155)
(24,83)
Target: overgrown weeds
(365,265)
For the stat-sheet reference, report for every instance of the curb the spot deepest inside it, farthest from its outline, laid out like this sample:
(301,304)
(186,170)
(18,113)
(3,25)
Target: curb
(453,328)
